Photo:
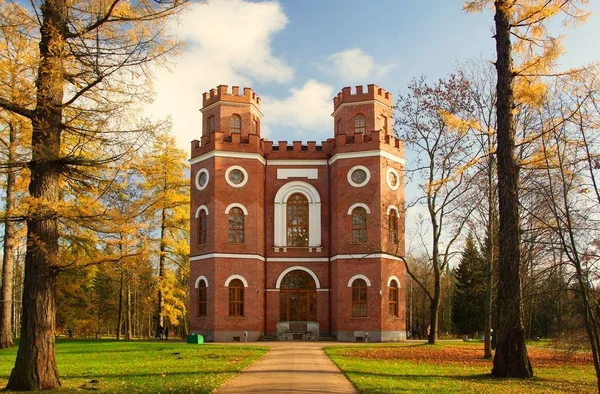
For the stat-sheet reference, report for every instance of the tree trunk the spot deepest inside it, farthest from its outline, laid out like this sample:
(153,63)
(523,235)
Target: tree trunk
(128,312)
(511,359)
(35,366)
(8,263)
(120,306)
(161,270)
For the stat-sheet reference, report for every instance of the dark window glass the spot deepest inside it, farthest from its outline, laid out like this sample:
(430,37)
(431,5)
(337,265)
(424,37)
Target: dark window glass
(359,225)
(235,124)
(236,298)
(393,224)
(393,301)
(359,298)
(236,225)
(202,228)
(359,123)
(202,298)
(297,220)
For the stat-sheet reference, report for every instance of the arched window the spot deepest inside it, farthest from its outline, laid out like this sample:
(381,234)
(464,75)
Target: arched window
(359,298)
(202,298)
(236,298)
(235,124)
(359,123)
(211,124)
(393,299)
(359,225)
(393,225)
(236,225)
(297,220)
(202,227)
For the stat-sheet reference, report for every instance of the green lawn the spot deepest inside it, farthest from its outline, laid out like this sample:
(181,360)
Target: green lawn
(142,366)
(457,368)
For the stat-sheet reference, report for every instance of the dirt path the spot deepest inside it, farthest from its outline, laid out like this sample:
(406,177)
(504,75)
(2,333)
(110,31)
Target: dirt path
(291,367)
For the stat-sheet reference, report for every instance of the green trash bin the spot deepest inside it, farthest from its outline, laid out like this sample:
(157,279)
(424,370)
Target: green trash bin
(195,338)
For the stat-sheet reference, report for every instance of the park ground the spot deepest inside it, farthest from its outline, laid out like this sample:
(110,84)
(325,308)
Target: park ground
(108,366)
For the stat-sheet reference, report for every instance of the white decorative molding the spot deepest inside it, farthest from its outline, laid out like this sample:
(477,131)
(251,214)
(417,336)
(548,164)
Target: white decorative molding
(201,208)
(201,277)
(240,277)
(314,212)
(388,180)
(359,276)
(297,268)
(391,278)
(360,103)
(299,162)
(365,256)
(285,173)
(242,169)
(367,153)
(223,101)
(351,171)
(227,256)
(391,208)
(358,204)
(232,155)
(297,259)
(197,179)
(236,205)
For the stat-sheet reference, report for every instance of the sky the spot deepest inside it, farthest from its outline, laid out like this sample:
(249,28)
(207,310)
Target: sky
(298,54)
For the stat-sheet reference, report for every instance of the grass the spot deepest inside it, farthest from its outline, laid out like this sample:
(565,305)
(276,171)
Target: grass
(457,368)
(142,366)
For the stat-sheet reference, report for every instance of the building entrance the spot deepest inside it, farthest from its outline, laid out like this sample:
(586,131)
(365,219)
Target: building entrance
(298,297)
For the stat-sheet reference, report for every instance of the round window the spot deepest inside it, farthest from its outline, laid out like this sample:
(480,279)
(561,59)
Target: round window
(202,179)
(393,180)
(236,176)
(358,176)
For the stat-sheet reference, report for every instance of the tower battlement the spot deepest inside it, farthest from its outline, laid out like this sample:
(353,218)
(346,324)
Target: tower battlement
(222,93)
(373,92)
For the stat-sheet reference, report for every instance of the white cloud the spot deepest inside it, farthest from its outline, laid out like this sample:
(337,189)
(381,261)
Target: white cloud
(354,66)
(306,109)
(227,42)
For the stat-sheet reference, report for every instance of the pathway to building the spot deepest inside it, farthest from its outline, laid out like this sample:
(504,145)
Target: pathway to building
(291,367)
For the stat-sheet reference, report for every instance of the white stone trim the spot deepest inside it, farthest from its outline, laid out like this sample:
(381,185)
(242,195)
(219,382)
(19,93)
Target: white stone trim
(201,208)
(373,101)
(367,153)
(240,277)
(224,101)
(358,204)
(236,168)
(227,256)
(201,277)
(291,162)
(387,178)
(359,276)
(297,259)
(236,205)
(391,278)
(285,173)
(349,176)
(365,256)
(231,155)
(314,213)
(391,208)
(197,179)
(297,268)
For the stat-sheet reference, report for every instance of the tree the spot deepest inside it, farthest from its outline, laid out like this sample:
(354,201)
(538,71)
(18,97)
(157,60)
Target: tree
(468,302)
(524,21)
(444,154)
(163,170)
(93,59)
(17,60)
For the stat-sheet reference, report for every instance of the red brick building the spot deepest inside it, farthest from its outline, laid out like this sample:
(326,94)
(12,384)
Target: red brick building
(293,240)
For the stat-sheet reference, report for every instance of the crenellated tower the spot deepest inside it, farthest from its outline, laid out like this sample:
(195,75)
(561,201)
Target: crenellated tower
(293,240)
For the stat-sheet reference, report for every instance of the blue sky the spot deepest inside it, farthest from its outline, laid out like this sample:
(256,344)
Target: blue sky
(297,54)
